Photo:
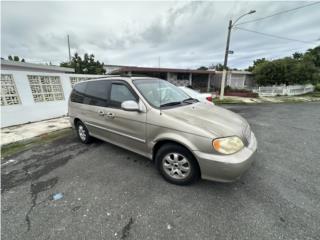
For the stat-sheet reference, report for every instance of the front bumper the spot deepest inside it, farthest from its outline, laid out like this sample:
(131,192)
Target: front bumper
(226,168)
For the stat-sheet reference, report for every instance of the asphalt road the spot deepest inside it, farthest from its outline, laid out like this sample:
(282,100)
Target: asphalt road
(110,193)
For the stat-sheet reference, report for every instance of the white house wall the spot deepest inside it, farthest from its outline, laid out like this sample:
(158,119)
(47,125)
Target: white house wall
(234,80)
(28,110)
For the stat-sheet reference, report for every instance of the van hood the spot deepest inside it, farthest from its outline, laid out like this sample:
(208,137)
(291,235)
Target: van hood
(216,120)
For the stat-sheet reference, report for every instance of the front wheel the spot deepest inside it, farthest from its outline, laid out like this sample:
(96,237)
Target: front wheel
(83,133)
(177,165)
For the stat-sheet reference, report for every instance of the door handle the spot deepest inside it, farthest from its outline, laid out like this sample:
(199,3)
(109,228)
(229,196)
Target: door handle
(110,115)
(101,113)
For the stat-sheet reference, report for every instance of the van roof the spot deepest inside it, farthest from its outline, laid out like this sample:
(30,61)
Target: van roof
(119,77)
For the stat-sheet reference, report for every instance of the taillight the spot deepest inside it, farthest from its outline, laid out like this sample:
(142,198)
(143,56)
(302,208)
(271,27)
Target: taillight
(209,99)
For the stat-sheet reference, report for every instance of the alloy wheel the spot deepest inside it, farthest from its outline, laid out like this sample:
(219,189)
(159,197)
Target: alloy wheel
(82,132)
(176,166)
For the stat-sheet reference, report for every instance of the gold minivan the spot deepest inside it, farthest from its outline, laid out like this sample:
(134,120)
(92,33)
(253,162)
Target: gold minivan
(186,139)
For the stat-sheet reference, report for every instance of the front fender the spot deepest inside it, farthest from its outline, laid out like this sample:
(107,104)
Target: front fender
(190,141)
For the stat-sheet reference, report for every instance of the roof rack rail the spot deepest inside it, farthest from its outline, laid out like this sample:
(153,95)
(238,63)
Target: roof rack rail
(117,75)
(112,75)
(105,76)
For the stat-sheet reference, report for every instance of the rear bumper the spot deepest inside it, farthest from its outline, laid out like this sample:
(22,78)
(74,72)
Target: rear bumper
(226,168)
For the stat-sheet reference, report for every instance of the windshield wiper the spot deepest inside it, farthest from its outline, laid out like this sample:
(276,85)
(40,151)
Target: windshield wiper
(187,100)
(170,104)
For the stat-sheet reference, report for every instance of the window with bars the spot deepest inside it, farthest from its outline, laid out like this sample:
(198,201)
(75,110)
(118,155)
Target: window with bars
(9,92)
(46,88)
(75,80)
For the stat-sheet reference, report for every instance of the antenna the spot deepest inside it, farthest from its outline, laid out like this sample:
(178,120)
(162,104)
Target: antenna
(69,48)
(159,85)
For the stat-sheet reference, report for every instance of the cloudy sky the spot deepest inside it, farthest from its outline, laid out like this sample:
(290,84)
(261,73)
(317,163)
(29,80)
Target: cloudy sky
(183,34)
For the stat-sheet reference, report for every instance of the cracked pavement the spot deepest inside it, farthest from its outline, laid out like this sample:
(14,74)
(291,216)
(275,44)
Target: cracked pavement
(111,193)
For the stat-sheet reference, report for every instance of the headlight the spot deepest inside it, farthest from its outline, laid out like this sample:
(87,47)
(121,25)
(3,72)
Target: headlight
(227,145)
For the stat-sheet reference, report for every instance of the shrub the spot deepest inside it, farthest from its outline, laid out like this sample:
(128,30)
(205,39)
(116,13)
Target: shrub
(228,89)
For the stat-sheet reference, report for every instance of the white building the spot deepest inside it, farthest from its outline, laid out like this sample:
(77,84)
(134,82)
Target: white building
(34,92)
(235,79)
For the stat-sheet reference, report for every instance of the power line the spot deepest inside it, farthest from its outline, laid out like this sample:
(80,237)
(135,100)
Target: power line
(267,51)
(283,54)
(279,13)
(274,36)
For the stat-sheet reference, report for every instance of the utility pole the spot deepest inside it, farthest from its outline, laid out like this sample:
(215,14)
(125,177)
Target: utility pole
(225,64)
(224,73)
(69,48)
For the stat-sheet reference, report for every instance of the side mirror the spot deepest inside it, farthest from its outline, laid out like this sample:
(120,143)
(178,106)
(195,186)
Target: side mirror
(130,106)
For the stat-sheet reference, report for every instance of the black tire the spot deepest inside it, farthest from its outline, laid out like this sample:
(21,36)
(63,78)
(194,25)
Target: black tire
(168,170)
(83,133)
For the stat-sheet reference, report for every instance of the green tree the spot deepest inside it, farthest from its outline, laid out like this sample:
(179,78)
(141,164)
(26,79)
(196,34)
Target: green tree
(15,58)
(255,63)
(219,67)
(287,71)
(313,55)
(87,65)
(301,68)
(297,55)
(202,68)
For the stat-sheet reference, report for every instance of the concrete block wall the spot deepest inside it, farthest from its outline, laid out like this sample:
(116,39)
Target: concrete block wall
(30,111)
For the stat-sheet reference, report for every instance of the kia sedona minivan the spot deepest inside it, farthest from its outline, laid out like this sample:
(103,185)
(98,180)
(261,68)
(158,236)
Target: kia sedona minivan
(185,138)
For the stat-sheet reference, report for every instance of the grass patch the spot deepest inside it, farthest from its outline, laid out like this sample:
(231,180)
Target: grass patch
(312,94)
(291,100)
(13,148)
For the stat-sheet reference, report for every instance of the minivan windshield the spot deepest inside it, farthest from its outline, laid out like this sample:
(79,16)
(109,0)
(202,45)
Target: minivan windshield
(161,93)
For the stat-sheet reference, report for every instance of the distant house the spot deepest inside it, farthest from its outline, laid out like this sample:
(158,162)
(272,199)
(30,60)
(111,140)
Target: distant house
(204,80)
(111,67)
(199,79)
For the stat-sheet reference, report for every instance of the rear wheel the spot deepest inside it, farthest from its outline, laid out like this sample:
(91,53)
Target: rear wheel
(83,133)
(177,165)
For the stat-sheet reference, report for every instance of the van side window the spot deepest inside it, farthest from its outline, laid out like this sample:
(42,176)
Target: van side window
(96,93)
(120,93)
(78,93)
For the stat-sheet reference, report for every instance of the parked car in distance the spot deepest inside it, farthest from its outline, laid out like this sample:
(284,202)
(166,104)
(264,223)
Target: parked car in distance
(187,139)
(202,97)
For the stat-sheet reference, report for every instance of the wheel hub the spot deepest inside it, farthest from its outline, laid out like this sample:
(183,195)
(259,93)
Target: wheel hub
(176,165)
(82,133)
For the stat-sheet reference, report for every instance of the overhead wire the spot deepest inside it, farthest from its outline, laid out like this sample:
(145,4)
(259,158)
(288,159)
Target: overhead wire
(274,36)
(278,13)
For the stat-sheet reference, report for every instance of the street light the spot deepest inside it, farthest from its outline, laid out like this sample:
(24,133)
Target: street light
(224,74)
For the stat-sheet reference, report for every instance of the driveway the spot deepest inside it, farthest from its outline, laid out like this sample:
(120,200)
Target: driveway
(110,193)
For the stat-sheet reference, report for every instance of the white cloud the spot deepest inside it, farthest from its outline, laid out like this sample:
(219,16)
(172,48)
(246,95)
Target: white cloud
(183,34)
